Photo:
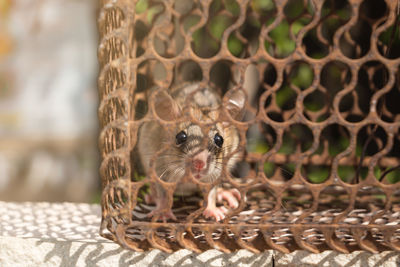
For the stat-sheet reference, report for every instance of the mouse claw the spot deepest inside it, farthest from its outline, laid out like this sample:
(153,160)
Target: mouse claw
(232,196)
(215,212)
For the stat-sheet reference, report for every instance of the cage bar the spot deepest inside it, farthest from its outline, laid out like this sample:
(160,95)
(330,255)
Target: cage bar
(319,140)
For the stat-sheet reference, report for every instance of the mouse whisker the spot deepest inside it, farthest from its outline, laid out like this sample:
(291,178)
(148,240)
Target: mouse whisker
(169,165)
(170,155)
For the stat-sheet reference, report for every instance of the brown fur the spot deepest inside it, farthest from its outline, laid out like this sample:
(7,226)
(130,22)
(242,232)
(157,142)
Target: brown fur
(171,164)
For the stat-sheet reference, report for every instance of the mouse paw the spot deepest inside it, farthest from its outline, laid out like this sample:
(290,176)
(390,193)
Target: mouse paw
(163,215)
(232,196)
(215,212)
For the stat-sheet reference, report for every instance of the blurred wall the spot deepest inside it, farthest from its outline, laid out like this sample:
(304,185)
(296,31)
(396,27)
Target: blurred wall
(48,100)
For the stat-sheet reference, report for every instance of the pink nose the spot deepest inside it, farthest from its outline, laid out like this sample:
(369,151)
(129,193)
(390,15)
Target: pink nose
(198,164)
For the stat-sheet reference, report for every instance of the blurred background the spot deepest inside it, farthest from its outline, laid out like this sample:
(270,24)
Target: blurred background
(48,101)
(48,82)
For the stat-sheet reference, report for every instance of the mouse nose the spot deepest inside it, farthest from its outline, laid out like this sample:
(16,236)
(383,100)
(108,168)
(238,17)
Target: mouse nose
(198,164)
(199,161)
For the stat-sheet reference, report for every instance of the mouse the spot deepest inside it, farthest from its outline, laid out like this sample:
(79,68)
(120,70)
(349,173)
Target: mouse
(186,147)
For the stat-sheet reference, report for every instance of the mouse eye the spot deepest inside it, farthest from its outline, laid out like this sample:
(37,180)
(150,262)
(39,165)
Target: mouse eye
(181,138)
(218,140)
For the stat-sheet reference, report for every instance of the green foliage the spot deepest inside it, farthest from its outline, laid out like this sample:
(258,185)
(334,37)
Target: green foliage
(359,149)
(218,25)
(284,45)
(294,8)
(141,6)
(346,173)
(344,13)
(232,6)
(261,6)
(269,169)
(202,42)
(377,172)
(287,147)
(215,6)
(284,95)
(258,146)
(296,27)
(393,176)
(190,21)
(386,36)
(235,46)
(339,146)
(303,76)
(318,174)
(153,11)
(288,169)
(314,101)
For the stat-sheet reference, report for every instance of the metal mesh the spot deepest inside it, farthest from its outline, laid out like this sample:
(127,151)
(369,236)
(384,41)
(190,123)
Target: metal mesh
(320,137)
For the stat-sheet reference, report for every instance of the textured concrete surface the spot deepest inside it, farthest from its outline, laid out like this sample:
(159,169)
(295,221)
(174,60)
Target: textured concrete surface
(43,234)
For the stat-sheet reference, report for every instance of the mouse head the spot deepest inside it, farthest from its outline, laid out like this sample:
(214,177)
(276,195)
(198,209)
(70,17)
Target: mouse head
(200,149)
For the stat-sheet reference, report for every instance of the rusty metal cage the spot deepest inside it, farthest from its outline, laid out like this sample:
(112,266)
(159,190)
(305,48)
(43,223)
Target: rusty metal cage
(320,138)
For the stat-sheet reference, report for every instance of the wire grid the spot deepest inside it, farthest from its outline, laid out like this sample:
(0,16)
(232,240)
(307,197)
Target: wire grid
(343,45)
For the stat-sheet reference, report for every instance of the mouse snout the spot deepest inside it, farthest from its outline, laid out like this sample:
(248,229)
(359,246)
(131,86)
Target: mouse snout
(198,165)
(199,160)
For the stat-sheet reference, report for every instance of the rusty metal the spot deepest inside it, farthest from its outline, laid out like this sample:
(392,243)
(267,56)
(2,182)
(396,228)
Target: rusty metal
(147,43)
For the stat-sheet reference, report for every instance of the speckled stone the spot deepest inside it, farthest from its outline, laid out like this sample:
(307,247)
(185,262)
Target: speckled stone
(66,234)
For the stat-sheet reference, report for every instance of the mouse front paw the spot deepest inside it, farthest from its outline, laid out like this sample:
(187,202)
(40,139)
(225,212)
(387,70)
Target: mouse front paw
(215,212)
(232,196)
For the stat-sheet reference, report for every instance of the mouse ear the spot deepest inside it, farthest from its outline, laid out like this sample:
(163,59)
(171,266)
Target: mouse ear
(235,104)
(165,106)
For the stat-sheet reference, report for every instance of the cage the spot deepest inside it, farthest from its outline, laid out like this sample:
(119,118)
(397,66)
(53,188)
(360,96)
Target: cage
(309,91)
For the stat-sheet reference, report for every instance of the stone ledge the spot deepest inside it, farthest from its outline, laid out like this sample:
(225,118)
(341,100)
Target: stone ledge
(44,234)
